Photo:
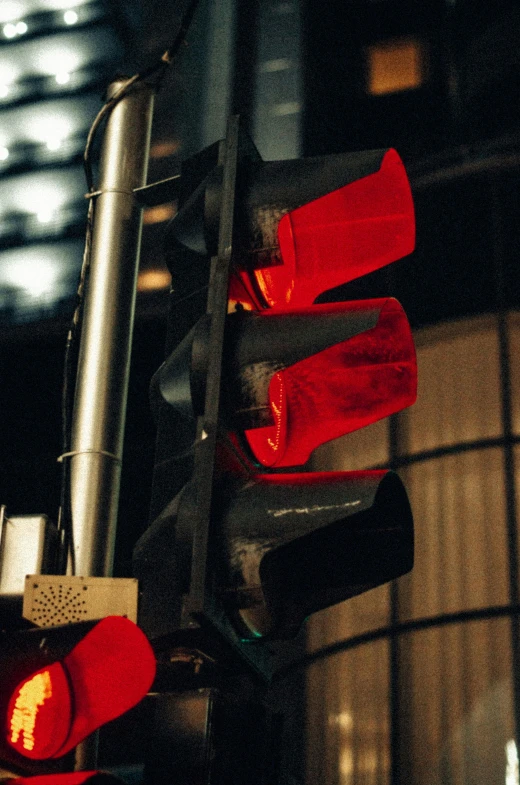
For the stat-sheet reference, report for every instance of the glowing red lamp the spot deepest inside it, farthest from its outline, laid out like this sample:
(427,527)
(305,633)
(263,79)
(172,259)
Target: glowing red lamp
(341,236)
(110,670)
(74,778)
(351,383)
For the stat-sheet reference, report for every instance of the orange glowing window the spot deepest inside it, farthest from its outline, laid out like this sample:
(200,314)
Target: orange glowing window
(158,214)
(153,280)
(165,148)
(394,66)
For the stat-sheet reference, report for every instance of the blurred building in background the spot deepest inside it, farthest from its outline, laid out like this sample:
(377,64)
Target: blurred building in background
(55,58)
(417,682)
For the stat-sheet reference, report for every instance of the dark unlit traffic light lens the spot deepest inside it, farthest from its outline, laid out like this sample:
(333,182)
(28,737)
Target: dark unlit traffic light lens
(298,543)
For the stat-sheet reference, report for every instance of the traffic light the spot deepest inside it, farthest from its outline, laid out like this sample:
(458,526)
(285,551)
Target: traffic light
(74,778)
(244,537)
(60,684)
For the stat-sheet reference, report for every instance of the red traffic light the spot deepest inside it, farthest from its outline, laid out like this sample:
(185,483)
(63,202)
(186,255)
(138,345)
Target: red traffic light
(304,226)
(74,778)
(264,383)
(337,237)
(303,377)
(106,673)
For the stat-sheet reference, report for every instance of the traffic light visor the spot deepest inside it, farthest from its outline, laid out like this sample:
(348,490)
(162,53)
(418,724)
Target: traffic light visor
(295,544)
(104,675)
(341,236)
(346,386)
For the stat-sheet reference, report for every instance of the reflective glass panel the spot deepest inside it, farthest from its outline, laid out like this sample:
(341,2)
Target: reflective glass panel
(348,719)
(458,398)
(514,353)
(455,705)
(460,535)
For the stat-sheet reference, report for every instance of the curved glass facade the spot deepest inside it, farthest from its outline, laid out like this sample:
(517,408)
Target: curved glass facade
(415,682)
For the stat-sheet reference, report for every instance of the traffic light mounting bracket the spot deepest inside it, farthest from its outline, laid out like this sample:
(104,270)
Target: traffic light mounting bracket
(207,424)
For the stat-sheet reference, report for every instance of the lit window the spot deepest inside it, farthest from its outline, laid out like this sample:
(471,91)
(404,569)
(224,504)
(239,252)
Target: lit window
(4,153)
(70,17)
(62,77)
(43,201)
(153,280)
(155,215)
(37,277)
(9,10)
(512,777)
(9,30)
(58,62)
(7,76)
(12,29)
(45,215)
(394,66)
(164,149)
(50,130)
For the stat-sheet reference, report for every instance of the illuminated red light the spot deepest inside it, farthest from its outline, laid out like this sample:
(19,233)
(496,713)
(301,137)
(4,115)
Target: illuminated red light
(340,389)
(74,778)
(341,236)
(39,713)
(108,671)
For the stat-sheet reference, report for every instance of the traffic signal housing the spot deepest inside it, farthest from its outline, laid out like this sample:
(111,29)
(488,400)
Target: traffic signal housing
(60,684)
(246,538)
(73,778)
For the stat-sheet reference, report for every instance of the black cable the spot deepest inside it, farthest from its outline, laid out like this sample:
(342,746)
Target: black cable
(156,71)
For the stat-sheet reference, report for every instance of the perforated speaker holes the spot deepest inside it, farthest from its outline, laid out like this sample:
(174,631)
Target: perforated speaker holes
(58,604)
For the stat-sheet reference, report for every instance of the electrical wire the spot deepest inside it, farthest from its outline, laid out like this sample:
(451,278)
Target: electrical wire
(154,74)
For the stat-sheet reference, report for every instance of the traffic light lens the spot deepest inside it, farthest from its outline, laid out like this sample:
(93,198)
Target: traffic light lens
(39,713)
(108,672)
(111,669)
(298,543)
(341,236)
(342,388)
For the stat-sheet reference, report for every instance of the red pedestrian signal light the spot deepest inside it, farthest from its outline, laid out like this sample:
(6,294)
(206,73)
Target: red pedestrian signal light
(39,713)
(107,672)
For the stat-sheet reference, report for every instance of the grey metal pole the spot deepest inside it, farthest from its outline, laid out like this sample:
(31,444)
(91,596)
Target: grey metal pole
(104,356)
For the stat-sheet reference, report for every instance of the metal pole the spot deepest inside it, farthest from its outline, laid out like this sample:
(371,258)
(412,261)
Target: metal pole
(104,356)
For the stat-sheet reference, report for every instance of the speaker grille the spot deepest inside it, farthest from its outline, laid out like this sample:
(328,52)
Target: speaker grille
(50,600)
